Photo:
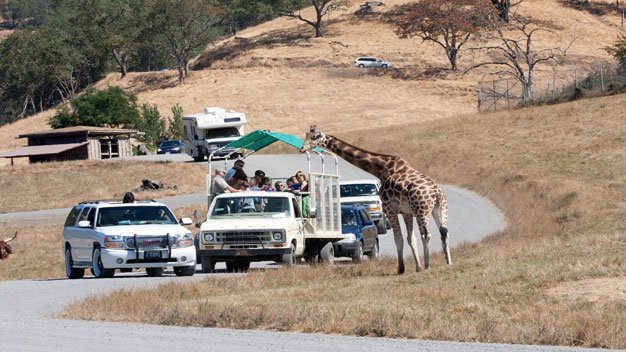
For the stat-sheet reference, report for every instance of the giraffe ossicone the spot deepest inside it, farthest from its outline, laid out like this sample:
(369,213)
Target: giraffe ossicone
(404,191)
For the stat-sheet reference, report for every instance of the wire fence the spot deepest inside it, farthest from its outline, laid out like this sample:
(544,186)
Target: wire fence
(564,85)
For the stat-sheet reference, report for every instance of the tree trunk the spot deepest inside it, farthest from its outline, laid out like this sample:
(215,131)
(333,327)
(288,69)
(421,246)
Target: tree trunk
(318,31)
(452,56)
(181,73)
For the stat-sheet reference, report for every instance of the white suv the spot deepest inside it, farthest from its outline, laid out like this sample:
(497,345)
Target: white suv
(105,236)
(368,61)
(365,193)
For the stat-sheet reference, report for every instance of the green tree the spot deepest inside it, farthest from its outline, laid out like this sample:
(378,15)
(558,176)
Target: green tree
(111,108)
(151,124)
(184,26)
(447,23)
(22,13)
(291,9)
(175,130)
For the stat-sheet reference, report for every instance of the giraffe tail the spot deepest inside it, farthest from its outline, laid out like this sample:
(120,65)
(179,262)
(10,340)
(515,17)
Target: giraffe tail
(440,214)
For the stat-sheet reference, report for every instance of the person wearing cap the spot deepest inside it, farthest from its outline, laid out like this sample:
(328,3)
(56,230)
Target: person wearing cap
(239,164)
(219,184)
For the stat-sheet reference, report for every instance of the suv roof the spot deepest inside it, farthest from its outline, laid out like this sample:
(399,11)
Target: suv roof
(120,203)
(356,182)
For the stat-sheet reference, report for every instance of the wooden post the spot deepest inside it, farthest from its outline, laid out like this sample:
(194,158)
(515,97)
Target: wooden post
(507,93)
(602,78)
(479,95)
(495,101)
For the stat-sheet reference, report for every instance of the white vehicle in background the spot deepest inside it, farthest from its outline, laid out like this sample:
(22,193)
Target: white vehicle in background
(105,236)
(207,132)
(367,194)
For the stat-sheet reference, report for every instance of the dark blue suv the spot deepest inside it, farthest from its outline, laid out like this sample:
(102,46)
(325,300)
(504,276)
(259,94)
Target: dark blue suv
(361,237)
(171,146)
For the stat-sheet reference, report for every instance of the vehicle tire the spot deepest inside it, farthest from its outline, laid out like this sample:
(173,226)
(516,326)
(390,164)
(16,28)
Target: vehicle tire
(361,65)
(154,272)
(244,266)
(289,259)
(126,270)
(327,254)
(72,273)
(384,66)
(198,158)
(97,268)
(375,253)
(357,256)
(311,253)
(208,264)
(381,227)
(185,270)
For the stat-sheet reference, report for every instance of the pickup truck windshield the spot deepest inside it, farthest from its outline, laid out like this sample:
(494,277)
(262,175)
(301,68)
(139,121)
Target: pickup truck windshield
(358,190)
(251,206)
(135,215)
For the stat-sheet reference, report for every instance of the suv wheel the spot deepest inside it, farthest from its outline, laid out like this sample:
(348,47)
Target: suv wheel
(361,65)
(154,272)
(72,273)
(384,66)
(381,227)
(97,268)
(185,270)
(375,253)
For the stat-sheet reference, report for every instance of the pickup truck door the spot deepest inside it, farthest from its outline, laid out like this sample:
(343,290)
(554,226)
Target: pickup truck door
(368,232)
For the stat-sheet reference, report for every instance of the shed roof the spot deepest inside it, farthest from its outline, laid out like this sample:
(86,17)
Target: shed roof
(78,131)
(40,150)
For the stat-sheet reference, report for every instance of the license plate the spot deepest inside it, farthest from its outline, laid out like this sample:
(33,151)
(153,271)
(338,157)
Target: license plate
(152,255)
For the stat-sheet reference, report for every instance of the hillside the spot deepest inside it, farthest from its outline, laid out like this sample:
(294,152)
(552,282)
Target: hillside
(285,79)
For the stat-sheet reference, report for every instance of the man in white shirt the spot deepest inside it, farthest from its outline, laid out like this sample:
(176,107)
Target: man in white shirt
(219,185)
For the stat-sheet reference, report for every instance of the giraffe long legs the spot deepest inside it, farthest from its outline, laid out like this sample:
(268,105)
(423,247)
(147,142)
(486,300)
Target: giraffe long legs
(411,240)
(440,214)
(422,223)
(397,237)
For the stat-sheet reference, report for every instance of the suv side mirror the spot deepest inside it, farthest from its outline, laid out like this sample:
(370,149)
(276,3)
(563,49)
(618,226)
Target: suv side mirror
(186,221)
(84,224)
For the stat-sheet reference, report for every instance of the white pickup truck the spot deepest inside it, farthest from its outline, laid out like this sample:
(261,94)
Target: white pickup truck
(259,226)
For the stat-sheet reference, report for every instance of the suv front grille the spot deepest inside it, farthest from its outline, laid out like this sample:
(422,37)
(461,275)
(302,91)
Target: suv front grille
(243,237)
(152,242)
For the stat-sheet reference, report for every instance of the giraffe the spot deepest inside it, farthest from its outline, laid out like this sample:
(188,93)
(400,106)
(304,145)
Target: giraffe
(404,191)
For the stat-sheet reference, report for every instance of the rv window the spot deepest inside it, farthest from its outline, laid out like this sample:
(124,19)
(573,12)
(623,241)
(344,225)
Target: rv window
(223,132)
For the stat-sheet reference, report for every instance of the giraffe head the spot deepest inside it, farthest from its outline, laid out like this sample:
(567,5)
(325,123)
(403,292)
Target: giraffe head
(313,139)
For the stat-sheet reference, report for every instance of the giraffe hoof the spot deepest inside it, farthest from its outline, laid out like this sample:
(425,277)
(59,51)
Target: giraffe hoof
(400,271)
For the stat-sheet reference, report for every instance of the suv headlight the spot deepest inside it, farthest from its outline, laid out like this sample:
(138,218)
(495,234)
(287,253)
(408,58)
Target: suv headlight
(184,240)
(114,241)
(278,236)
(374,207)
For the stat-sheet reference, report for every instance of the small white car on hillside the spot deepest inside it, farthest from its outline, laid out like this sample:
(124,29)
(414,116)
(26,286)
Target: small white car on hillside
(105,236)
(368,61)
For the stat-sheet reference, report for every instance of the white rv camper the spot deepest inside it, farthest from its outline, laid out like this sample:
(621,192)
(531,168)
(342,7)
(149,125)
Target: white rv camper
(210,130)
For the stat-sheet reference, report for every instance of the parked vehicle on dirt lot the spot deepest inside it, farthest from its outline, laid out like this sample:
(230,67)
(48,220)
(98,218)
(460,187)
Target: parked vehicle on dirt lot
(107,235)
(361,235)
(209,131)
(366,193)
(284,227)
(368,61)
(171,147)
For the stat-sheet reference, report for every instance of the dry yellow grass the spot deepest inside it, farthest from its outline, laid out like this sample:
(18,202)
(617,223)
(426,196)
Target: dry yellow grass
(559,175)
(63,184)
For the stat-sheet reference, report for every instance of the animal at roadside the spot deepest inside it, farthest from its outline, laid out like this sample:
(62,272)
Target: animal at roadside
(5,247)
(404,191)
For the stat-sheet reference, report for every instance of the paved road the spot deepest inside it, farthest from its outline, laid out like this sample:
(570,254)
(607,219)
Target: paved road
(27,320)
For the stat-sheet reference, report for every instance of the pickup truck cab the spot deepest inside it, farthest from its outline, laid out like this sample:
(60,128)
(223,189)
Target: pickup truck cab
(367,194)
(361,237)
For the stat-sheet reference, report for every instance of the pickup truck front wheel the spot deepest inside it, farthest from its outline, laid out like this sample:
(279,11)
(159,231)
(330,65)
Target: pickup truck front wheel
(208,265)
(327,254)
(289,259)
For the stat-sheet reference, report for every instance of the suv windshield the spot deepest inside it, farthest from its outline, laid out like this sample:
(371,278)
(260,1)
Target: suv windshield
(135,215)
(251,206)
(358,190)
(224,132)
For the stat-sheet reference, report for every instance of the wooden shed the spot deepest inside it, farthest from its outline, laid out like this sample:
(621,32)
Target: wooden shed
(74,143)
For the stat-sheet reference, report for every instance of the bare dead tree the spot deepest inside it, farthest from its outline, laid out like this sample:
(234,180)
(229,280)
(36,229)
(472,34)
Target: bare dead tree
(516,53)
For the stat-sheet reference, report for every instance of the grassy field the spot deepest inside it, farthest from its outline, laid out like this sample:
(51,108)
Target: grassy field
(556,275)
(64,184)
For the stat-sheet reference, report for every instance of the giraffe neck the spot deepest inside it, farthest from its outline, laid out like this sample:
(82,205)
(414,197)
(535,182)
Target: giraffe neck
(374,163)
